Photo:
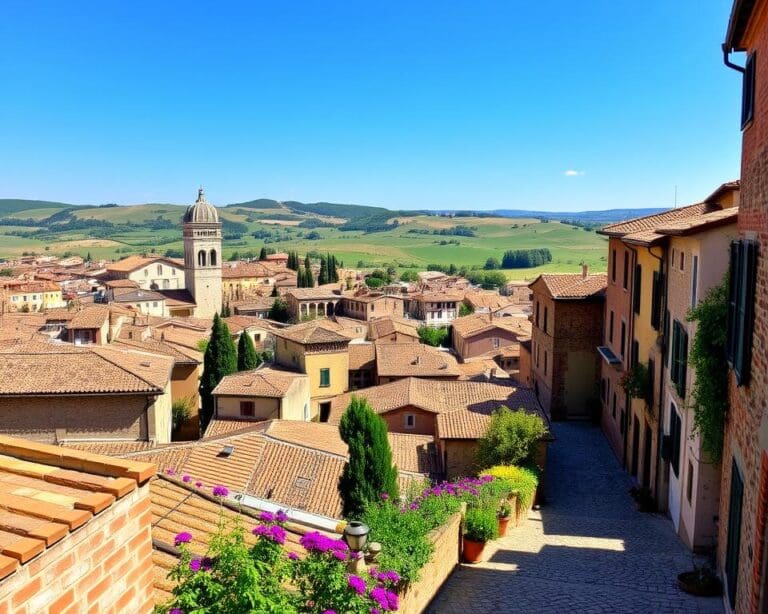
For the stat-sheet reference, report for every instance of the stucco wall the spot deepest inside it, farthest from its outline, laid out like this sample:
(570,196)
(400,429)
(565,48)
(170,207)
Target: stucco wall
(266,408)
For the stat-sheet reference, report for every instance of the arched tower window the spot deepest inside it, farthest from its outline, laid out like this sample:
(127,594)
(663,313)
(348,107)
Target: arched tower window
(213,257)
(159,269)
(201,258)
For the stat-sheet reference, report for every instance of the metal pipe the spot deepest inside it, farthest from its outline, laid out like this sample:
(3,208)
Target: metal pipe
(727,61)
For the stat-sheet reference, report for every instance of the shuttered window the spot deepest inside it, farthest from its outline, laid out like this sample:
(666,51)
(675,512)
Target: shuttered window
(325,378)
(675,428)
(741,308)
(637,290)
(679,366)
(748,91)
(734,532)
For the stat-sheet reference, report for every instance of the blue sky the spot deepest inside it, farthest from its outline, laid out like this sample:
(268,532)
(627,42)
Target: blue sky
(400,104)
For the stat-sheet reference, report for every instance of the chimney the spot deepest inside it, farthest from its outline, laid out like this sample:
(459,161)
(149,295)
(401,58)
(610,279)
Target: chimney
(584,270)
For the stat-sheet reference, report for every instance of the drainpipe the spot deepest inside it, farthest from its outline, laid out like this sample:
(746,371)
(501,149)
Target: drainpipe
(628,349)
(727,61)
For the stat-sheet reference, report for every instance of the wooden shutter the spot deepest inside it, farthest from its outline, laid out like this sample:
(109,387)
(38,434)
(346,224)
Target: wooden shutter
(733,293)
(745,311)
(748,91)
(682,362)
(638,290)
(656,300)
(734,532)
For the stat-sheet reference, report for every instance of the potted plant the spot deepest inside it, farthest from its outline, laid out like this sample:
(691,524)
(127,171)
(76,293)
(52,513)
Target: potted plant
(504,512)
(480,526)
(702,582)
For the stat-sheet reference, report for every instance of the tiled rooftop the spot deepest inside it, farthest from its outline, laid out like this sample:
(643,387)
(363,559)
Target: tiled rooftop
(361,355)
(414,359)
(263,382)
(315,331)
(383,327)
(573,286)
(46,492)
(477,323)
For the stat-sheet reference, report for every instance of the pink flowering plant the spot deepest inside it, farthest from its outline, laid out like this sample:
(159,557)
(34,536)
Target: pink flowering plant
(263,578)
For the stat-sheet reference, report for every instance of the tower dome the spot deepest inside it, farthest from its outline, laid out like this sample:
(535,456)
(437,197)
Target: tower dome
(202,212)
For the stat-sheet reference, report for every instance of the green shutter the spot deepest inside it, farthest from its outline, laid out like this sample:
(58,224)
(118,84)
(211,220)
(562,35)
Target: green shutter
(683,362)
(734,532)
(733,293)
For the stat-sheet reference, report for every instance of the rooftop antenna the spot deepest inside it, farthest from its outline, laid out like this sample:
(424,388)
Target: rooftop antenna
(675,196)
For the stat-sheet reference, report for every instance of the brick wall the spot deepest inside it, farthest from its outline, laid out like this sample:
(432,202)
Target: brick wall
(424,425)
(434,574)
(459,457)
(484,342)
(40,418)
(104,567)
(746,437)
(618,300)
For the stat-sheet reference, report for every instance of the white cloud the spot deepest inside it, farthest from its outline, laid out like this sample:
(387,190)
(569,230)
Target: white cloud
(573,173)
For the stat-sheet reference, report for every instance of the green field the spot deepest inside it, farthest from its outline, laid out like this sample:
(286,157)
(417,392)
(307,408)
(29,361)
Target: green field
(570,245)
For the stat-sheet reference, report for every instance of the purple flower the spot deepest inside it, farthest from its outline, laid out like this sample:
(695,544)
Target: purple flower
(182,538)
(195,565)
(329,611)
(176,611)
(413,506)
(338,554)
(384,496)
(277,534)
(207,563)
(267,517)
(281,516)
(170,471)
(293,556)
(186,479)
(198,484)
(357,584)
(379,595)
(392,600)
(220,491)
(260,529)
(393,577)
(375,611)
(372,571)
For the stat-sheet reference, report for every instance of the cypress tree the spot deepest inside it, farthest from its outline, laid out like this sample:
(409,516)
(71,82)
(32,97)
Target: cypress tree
(370,471)
(279,310)
(309,279)
(263,253)
(322,278)
(220,359)
(301,278)
(274,291)
(247,358)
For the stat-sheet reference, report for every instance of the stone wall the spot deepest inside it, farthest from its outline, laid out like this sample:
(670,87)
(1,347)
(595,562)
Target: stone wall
(106,566)
(447,541)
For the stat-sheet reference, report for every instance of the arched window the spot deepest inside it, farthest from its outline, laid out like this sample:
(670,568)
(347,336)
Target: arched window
(213,257)
(201,258)
(159,269)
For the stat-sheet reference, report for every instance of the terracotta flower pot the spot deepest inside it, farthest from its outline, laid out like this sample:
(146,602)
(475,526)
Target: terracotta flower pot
(473,551)
(503,524)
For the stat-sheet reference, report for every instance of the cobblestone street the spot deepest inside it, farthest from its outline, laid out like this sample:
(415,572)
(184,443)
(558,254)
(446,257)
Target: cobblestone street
(587,550)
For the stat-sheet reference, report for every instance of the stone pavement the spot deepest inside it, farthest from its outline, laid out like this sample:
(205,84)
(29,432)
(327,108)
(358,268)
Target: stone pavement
(587,550)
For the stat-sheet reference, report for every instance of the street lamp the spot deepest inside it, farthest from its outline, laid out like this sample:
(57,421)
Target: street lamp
(356,535)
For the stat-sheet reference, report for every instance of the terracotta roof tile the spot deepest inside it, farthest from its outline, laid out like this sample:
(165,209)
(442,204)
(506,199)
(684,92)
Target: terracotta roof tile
(262,382)
(180,354)
(386,326)
(708,220)
(131,263)
(476,323)
(246,270)
(92,316)
(319,293)
(362,356)
(316,331)
(46,493)
(412,359)
(573,286)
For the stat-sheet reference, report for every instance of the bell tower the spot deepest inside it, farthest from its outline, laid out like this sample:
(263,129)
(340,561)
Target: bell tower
(202,256)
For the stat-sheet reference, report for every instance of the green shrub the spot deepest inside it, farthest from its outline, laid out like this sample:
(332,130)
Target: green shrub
(434,336)
(481,524)
(511,438)
(181,410)
(521,480)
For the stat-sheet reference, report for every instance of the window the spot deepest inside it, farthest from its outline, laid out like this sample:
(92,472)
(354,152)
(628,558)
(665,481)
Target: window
(247,408)
(546,318)
(613,406)
(213,257)
(610,328)
(734,532)
(748,91)
(694,281)
(496,343)
(159,269)
(651,381)
(325,411)
(636,290)
(154,304)
(657,289)
(613,266)
(634,354)
(201,258)
(146,272)
(623,340)
(626,270)
(325,378)
(537,314)
(679,367)
(545,362)
(674,257)
(410,421)
(675,427)
(741,308)
(682,261)
(689,483)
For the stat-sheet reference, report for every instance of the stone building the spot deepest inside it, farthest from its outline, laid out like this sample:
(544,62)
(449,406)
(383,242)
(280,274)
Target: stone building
(567,326)
(202,256)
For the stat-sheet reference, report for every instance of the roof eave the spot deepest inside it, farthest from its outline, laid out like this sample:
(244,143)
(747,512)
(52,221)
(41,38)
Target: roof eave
(737,24)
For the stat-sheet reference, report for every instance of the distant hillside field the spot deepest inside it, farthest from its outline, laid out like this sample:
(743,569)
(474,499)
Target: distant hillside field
(359,236)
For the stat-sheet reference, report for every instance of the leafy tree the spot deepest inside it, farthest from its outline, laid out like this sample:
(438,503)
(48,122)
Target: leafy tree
(525,258)
(235,256)
(409,276)
(492,264)
(707,357)
(370,472)
(434,336)
(374,282)
(465,310)
(220,359)
(511,438)
(279,310)
(452,270)
(247,357)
